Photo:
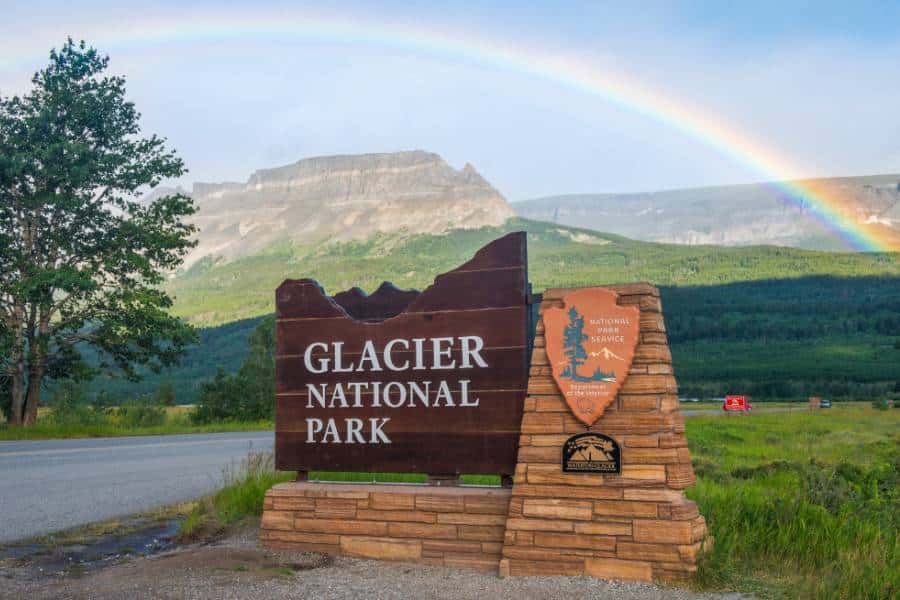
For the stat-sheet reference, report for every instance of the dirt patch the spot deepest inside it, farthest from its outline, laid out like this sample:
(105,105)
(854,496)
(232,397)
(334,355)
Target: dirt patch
(237,567)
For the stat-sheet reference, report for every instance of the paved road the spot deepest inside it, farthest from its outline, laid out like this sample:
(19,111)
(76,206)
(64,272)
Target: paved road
(51,485)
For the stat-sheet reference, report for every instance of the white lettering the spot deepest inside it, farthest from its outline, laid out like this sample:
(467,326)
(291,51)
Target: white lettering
(387,394)
(331,429)
(369,355)
(377,432)
(464,389)
(354,431)
(441,353)
(307,358)
(388,359)
(312,390)
(477,345)
(313,426)
(338,359)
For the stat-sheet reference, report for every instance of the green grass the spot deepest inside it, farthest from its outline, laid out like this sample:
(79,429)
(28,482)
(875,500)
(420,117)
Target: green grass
(46,428)
(804,504)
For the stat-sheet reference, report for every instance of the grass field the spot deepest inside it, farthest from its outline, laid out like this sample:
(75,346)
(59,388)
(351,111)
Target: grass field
(177,420)
(803,504)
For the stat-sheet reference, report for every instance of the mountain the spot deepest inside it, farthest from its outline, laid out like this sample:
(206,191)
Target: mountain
(733,215)
(341,198)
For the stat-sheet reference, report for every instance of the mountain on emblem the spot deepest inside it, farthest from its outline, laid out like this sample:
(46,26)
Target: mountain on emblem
(590,342)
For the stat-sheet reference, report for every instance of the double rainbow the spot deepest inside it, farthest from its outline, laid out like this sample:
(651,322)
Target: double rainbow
(562,69)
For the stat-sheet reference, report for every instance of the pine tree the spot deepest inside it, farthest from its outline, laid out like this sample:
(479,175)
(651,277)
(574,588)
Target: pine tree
(573,342)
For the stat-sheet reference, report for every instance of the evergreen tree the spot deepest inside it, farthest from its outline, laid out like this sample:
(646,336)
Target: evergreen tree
(573,342)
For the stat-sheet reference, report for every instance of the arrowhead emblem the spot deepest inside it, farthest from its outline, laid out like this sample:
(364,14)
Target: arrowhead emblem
(590,343)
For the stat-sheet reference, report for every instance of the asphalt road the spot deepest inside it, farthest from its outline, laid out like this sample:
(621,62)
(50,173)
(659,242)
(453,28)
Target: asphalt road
(51,485)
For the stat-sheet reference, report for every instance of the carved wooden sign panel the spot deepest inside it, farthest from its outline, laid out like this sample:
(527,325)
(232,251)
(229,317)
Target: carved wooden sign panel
(590,344)
(402,381)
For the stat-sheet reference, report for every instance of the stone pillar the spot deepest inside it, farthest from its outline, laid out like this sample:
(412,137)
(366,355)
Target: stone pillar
(635,525)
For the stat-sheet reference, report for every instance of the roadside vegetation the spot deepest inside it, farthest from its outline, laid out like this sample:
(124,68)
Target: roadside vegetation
(801,504)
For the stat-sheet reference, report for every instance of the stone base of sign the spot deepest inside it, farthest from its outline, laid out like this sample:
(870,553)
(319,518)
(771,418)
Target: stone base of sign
(453,526)
(636,525)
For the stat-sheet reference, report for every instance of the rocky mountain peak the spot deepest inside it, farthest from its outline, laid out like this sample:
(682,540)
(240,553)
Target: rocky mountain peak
(344,197)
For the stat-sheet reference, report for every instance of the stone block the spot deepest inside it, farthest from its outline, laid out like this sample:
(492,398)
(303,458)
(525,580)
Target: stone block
(495,505)
(613,568)
(516,524)
(663,532)
(441,503)
(481,533)
(341,527)
(451,546)
(524,568)
(603,528)
(651,552)
(624,508)
(410,516)
(335,508)
(580,510)
(274,519)
(470,519)
(421,531)
(573,540)
(387,501)
(381,548)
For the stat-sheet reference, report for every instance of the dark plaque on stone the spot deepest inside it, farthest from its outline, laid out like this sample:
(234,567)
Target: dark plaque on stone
(591,453)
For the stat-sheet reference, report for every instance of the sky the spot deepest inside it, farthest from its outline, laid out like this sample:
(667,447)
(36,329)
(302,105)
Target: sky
(236,87)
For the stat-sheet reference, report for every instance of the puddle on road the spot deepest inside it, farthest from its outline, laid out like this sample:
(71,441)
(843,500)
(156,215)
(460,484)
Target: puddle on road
(140,538)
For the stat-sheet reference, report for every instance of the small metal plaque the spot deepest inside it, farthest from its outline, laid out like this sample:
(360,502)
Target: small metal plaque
(591,453)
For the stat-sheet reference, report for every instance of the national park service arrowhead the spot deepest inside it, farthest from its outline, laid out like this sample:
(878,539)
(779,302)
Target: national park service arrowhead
(590,344)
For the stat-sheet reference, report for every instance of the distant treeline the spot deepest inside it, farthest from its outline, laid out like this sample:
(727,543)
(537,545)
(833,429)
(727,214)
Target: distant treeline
(772,339)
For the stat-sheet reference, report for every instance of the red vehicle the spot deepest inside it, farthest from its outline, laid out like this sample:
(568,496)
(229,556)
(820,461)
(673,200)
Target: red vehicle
(737,404)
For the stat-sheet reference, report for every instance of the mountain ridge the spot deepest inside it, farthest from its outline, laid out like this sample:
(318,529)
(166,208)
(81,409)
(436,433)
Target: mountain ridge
(341,198)
(733,215)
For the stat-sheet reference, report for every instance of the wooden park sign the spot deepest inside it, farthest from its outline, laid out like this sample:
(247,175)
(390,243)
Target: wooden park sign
(579,405)
(401,381)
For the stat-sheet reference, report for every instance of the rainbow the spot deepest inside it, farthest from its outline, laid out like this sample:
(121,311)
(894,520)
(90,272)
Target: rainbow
(564,69)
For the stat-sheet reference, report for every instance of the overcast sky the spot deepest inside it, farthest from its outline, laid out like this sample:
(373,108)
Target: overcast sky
(818,82)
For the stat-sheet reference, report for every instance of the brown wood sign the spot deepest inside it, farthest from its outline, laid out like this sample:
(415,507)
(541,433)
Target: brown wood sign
(590,344)
(401,381)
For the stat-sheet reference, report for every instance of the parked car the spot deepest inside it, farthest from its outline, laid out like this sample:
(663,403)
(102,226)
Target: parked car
(825,403)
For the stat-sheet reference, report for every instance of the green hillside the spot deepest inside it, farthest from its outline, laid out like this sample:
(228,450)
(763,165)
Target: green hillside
(772,322)
(558,256)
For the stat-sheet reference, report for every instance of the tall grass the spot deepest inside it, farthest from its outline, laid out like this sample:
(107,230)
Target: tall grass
(91,422)
(801,505)
(241,496)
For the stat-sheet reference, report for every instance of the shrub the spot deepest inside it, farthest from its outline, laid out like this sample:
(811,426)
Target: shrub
(880,404)
(71,409)
(242,496)
(141,413)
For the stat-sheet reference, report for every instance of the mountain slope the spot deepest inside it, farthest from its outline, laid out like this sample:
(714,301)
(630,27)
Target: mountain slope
(726,215)
(341,198)
(211,293)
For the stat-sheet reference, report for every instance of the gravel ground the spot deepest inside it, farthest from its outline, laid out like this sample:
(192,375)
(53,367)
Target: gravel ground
(238,568)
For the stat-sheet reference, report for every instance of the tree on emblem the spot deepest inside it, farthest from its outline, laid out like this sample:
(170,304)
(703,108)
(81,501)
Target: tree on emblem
(573,342)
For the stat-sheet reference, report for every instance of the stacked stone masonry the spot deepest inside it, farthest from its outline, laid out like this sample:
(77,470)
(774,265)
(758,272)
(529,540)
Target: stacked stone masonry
(635,525)
(453,527)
